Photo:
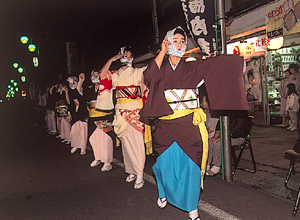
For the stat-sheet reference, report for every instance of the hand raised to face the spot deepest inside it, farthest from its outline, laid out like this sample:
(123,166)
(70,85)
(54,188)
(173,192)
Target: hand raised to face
(165,45)
(82,76)
(116,57)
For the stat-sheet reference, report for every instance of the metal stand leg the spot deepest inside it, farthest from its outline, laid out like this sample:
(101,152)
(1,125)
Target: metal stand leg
(292,164)
(296,203)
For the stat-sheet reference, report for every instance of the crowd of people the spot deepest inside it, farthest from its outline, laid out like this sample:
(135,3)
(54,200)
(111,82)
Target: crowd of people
(109,108)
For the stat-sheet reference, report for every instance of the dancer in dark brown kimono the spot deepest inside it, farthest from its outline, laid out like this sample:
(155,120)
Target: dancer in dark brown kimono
(180,140)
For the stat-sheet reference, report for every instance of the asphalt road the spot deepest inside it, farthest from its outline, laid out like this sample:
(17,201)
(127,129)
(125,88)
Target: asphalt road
(41,180)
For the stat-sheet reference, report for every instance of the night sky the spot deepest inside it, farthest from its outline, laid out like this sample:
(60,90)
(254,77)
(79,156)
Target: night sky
(100,27)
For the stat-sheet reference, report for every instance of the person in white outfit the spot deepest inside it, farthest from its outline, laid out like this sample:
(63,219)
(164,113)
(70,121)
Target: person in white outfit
(292,106)
(129,86)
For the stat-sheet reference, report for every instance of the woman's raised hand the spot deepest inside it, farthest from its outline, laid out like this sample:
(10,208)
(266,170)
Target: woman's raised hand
(82,76)
(164,46)
(116,57)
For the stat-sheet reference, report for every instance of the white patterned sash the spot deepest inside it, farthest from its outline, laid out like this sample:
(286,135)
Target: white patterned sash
(179,99)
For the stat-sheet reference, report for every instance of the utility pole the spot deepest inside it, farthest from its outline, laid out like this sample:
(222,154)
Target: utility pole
(225,128)
(155,21)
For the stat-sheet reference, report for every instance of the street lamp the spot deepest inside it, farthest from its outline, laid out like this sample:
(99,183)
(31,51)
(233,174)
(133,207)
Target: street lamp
(31,48)
(20,70)
(24,39)
(15,65)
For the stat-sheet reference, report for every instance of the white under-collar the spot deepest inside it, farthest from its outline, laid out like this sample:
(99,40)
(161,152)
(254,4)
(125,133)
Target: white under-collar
(173,67)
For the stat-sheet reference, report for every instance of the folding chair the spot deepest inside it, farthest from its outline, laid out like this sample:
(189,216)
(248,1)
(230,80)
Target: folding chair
(236,159)
(293,156)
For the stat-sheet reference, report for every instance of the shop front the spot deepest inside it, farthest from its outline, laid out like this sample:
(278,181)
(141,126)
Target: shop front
(264,70)
(271,47)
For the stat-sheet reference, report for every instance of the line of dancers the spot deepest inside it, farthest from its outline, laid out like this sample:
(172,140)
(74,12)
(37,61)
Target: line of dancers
(118,106)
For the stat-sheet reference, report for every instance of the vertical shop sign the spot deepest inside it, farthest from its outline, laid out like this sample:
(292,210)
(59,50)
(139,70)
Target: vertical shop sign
(72,57)
(200,19)
(274,19)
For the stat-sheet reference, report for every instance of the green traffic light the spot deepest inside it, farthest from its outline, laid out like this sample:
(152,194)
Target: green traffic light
(24,39)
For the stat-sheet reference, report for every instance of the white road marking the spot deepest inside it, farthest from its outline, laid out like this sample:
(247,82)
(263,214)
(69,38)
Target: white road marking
(203,206)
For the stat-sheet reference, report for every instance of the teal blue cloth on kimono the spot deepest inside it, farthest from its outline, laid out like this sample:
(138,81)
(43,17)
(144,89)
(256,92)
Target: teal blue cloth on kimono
(178,178)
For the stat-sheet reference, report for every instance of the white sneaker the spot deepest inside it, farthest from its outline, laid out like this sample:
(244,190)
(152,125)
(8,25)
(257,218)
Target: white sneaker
(73,150)
(95,163)
(82,152)
(162,202)
(106,167)
(130,178)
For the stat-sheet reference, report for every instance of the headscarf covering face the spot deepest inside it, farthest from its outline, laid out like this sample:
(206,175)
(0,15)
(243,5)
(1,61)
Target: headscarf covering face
(95,79)
(124,61)
(172,50)
(60,89)
(72,82)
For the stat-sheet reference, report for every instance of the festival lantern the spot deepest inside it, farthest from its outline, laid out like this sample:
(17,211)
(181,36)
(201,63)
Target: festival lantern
(275,43)
(244,49)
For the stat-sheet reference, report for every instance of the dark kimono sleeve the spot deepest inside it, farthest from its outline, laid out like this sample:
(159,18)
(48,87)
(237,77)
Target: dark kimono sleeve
(156,104)
(224,83)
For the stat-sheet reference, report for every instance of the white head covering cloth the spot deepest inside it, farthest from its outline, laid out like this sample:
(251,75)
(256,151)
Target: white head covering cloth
(172,50)
(73,80)
(124,61)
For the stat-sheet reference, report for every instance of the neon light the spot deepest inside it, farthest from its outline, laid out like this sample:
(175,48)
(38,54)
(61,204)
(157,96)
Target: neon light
(35,61)
(23,79)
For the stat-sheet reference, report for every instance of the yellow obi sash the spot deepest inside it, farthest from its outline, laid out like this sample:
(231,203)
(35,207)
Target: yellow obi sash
(147,134)
(199,118)
(94,113)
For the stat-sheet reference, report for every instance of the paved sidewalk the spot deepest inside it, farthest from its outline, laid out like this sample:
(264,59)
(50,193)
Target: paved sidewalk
(268,144)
